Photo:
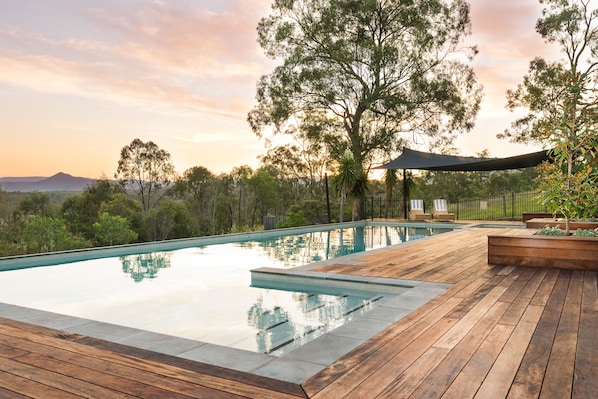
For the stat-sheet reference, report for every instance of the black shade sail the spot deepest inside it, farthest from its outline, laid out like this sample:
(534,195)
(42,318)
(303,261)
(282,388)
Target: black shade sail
(411,159)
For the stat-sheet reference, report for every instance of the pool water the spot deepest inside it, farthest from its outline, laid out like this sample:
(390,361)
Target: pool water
(204,293)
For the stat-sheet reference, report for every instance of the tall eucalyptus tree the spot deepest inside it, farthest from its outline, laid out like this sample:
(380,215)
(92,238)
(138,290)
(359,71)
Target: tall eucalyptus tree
(372,69)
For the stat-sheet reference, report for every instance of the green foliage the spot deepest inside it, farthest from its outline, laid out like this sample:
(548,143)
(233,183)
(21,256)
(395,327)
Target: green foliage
(113,230)
(168,220)
(574,195)
(551,231)
(562,101)
(586,233)
(346,180)
(48,234)
(265,195)
(357,75)
(35,203)
(147,170)
(294,219)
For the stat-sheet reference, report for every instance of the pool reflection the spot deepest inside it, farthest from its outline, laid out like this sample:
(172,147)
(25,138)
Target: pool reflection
(142,266)
(280,330)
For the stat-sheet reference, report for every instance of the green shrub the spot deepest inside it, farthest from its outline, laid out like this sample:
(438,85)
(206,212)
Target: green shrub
(586,233)
(294,219)
(551,231)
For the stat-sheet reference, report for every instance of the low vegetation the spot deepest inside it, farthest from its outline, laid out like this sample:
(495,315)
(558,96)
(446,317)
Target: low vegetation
(200,203)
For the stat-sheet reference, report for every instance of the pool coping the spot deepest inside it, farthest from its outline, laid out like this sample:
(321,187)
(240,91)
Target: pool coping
(295,366)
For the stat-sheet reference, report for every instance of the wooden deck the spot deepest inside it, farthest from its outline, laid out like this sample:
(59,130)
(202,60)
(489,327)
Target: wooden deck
(499,332)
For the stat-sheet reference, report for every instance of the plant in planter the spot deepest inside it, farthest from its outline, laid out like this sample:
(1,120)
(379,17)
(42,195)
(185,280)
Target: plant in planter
(562,101)
(571,193)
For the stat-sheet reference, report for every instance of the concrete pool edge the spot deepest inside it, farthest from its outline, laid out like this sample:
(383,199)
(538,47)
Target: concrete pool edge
(295,366)
(60,257)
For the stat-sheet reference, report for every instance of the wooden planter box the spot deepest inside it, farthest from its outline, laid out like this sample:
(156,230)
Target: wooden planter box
(539,223)
(576,253)
(535,215)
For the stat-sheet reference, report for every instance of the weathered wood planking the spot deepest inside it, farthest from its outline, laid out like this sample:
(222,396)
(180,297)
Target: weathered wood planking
(499,331)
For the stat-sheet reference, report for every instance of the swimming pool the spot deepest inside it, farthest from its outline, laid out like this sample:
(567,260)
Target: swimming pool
(204,293)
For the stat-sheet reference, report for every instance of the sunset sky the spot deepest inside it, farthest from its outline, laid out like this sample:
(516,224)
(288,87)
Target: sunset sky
(81,79)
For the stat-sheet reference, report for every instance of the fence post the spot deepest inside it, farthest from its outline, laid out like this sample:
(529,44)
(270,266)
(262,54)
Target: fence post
(504,206)
(512,205)
(373,207)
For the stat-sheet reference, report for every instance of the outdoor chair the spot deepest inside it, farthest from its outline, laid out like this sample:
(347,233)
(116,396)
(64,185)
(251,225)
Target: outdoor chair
(441,213)
(416,211)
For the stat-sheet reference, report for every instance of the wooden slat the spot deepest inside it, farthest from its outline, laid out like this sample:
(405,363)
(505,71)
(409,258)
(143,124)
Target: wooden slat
(498,381)
(558,380)
(471,377)
(499,331)
(122,372)
(528,381)
(585,381)
(446,371)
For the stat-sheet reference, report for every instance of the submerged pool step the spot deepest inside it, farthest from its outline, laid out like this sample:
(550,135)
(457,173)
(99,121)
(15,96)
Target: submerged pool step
(290,333)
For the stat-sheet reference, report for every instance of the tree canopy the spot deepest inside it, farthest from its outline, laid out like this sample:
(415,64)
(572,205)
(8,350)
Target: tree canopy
(560,96)
(362,72)
(373,69)
(146,169)
(562,104)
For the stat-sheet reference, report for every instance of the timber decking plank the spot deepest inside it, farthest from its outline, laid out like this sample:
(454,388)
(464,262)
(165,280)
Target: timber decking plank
(6,394)
(444,374)
(585,380)
(529,378)
(224,377)
(453,336)
(51,373)
(498,381)
(163,376)
(558,380)
(32,389)
(388,371)
(370,357)
(467,383)
(412,377)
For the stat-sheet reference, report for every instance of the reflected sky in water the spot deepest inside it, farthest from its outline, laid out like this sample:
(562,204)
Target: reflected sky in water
(204,293)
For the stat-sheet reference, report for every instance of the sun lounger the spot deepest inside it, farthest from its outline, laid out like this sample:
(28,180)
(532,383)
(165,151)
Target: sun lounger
(441,213)
(416,211)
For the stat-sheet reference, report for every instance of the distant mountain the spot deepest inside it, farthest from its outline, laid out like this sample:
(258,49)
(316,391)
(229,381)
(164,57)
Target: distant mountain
(58,182)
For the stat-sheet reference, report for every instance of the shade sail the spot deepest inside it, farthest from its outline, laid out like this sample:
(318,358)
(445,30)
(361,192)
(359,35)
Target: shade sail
(411,159)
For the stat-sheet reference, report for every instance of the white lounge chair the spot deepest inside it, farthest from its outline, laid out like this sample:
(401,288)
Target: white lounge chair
(441,212)
(416,211)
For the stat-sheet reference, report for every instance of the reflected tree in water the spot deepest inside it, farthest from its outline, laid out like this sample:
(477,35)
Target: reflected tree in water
(273,325)
(141,266)
(301,249)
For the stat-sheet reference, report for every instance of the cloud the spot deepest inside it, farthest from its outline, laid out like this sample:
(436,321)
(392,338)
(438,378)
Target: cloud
(506,37)
(155,55)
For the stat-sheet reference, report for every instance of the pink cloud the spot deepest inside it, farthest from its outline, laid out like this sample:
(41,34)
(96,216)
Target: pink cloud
(178,57)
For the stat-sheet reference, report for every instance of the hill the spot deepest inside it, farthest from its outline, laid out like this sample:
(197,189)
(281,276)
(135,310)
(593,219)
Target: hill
(58,182)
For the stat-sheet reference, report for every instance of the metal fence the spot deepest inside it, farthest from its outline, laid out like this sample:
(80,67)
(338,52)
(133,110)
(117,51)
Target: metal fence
(505,207)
